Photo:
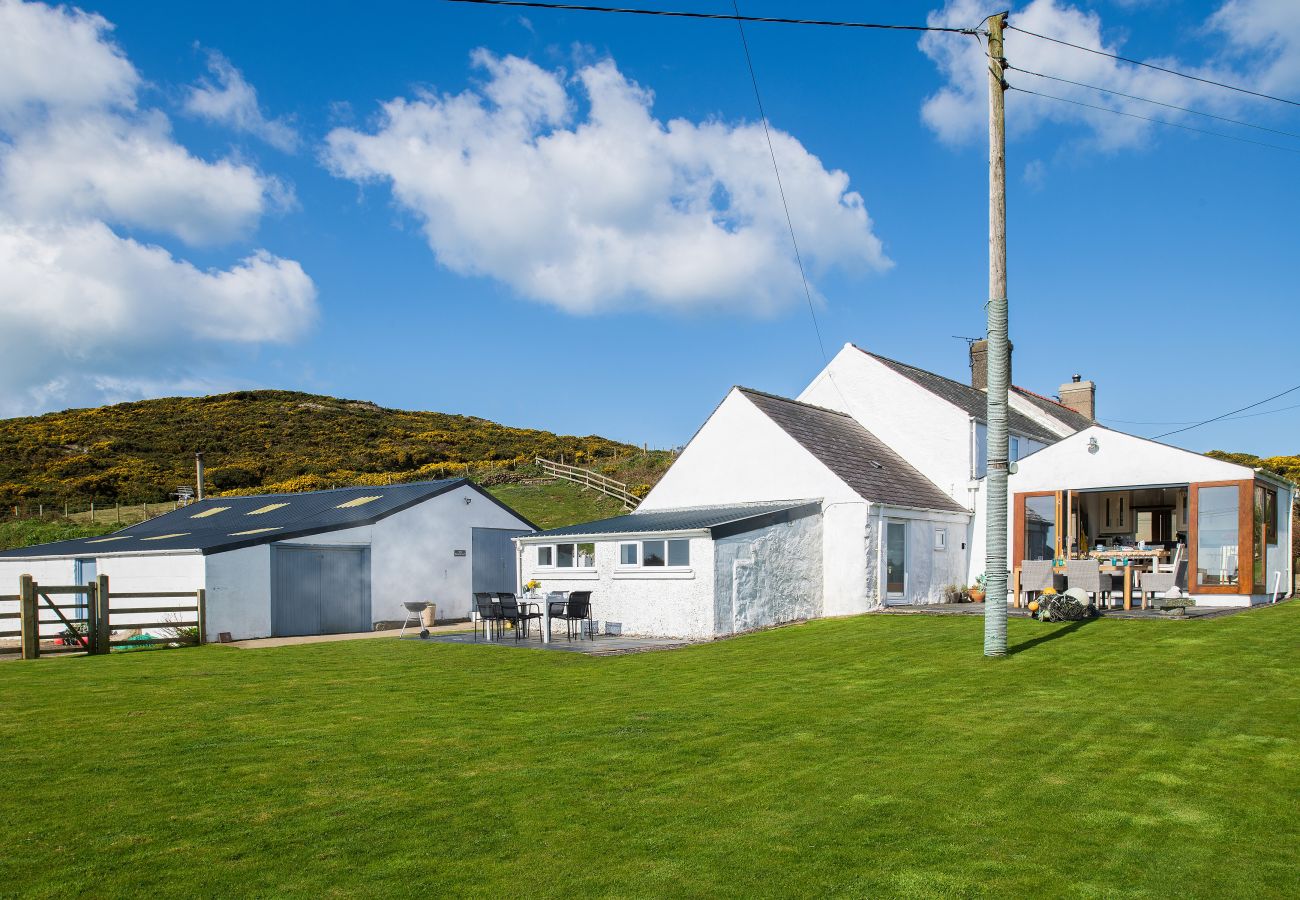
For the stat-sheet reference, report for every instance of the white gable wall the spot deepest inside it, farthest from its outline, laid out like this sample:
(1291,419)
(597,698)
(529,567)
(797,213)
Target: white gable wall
(927,431)
(741,456)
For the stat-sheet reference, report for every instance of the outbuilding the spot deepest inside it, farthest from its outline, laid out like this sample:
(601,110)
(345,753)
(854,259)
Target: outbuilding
(322,562)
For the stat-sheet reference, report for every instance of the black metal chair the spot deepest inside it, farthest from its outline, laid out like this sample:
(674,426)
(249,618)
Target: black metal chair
(488,613)
(511,612)
(576,611)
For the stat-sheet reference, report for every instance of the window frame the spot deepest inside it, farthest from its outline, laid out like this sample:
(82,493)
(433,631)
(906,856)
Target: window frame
(640,566)
(1245,537)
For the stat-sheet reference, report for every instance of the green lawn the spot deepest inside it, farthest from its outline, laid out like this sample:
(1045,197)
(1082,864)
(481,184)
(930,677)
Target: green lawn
(875,756)
(557,503)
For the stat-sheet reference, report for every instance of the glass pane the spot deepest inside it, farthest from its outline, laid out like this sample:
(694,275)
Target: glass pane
(1216,538)
(544,556)
(1270,517)
(1040,527)
(627,554)
(1013,448)
(652,553)
(895,557)
(586,556)
(564,556)
(1258,543)
(981,449)
(679,553)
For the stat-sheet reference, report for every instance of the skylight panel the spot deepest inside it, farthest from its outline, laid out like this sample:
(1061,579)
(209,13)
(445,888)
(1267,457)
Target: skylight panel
(105,540)
(270,507)
(210,512)
(163,537)
(359,501)
(254,531)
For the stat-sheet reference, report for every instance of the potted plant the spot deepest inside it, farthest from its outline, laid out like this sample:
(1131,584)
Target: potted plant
(530,588)
(954,593)
(976,592)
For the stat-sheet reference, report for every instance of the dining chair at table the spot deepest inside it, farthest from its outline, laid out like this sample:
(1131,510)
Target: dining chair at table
(1035,577)
(513,613)
(1085,574)
(576,611)
(488,614)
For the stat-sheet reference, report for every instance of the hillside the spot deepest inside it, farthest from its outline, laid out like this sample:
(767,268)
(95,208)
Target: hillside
(263,441)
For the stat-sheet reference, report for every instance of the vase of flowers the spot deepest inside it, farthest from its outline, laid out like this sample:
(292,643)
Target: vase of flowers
(530,588)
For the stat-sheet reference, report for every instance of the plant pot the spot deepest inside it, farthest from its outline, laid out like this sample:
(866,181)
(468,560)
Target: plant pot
(976,596)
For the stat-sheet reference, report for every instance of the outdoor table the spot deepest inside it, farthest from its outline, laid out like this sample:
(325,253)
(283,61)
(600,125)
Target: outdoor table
(543,604)
(1129,557)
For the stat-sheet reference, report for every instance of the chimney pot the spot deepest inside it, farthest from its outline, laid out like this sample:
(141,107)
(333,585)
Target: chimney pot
(1076,378)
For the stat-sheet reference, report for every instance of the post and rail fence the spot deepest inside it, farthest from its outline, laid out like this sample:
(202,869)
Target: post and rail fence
(88,625)
(596,481)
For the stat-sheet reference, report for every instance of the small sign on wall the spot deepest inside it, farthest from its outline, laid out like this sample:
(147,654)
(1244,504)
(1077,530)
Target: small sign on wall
(458,552)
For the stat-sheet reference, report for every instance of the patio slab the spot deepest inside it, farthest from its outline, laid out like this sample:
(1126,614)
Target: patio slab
(603,645)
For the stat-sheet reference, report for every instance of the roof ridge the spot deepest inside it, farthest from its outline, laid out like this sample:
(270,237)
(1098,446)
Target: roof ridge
(1053,401)
(749,390)
(346,487)
(899,362)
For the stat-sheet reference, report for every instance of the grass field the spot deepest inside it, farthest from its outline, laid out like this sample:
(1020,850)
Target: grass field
(26,532)
(874,756)
(556,503)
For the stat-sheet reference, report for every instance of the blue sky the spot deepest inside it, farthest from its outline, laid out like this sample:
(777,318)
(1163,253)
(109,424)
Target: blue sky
(1159,263)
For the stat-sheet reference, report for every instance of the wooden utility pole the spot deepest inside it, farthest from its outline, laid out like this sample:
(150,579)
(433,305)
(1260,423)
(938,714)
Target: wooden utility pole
(995,509)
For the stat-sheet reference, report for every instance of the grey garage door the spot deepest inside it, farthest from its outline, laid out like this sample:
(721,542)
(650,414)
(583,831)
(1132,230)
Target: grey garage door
(319,590)
(494,559)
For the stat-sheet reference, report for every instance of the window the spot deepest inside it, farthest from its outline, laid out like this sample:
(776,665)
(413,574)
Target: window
(627,555)
(564,556)
(1270,515)
(652,553)
(941,539)
(679,552)
(1013,447)
(545,556)
(1040,527)
(1014,444)
(1216,536)
(586,556)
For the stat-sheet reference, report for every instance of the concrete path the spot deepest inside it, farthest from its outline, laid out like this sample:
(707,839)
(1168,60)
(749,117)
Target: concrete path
(262,643)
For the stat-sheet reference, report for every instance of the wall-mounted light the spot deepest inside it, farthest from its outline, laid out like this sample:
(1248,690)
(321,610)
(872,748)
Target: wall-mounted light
(1093,446)
(468,501)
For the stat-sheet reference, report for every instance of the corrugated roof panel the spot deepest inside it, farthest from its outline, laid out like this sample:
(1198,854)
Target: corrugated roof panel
(694,518)
(279,517)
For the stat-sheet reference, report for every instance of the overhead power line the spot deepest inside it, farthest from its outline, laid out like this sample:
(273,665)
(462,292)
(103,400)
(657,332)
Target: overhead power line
(1227,414)
(737,17)
(1118,112)
(812,310)
(1138,62)
(1195,112)
(1267,412)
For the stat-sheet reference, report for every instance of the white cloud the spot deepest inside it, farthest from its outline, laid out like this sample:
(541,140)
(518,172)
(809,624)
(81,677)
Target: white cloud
(1263,38)
(85,311)
(609,208)
(232,101)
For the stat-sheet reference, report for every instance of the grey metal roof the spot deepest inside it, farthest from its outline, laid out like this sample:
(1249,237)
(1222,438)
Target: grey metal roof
(970,400)
(718,520)
(218,524)
(860,459)
(1063,414)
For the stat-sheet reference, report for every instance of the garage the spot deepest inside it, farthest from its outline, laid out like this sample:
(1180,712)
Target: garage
(319,590)
(317,562)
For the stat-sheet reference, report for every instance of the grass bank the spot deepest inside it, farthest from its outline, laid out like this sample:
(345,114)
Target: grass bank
(877,756)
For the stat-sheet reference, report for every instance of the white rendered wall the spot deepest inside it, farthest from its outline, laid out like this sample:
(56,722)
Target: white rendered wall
(927,570)
(929,432)
(135,574)
(43,571)
(664,603)
(239,593)
(768,576)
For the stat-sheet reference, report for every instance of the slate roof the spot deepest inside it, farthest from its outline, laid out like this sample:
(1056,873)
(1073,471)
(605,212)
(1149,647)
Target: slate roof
(970,400)
(718,520)
(1076,420)
(218,524)
(860,459)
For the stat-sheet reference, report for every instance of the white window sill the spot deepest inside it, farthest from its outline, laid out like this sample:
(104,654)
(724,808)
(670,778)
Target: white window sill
(561,574)
(655,574)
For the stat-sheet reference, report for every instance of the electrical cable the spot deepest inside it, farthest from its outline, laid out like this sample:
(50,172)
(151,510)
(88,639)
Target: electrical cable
(1138,62)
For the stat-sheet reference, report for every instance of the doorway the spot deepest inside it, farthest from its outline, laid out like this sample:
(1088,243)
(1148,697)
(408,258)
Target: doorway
(896,562)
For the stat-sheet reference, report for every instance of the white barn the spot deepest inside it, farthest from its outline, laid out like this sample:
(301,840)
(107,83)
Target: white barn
(321,562)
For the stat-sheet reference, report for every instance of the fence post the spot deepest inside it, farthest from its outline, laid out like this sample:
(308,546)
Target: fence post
(29,616)
(103,614)
(201,597)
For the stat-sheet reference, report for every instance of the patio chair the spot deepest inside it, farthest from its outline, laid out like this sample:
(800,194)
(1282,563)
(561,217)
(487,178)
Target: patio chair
(555,602)
(511,612)
(1161,583)
(1085,574)
(576,611)
(488,613)
(1035,577)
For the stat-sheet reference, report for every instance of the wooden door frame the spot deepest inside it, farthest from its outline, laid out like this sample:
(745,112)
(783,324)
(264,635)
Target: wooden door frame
(1245,537)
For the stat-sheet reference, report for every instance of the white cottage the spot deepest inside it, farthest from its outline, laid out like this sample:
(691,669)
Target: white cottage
(321,562)
(892,457)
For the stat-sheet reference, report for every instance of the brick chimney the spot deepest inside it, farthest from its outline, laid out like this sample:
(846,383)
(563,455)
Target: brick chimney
(1080,396)
(979,364)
